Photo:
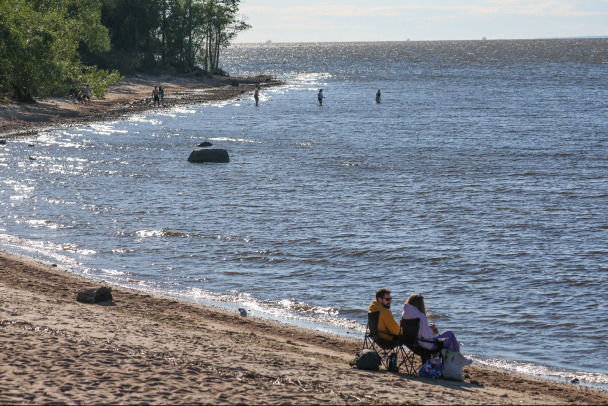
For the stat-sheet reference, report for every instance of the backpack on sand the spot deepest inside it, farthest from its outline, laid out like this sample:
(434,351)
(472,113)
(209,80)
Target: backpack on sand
(431,368)
(367,359)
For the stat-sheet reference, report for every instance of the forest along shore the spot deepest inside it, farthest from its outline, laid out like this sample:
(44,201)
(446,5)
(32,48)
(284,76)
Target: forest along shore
(151,349)
(131,95)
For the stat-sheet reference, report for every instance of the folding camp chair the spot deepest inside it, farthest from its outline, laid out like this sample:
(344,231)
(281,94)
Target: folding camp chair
(384,348)
(409,338)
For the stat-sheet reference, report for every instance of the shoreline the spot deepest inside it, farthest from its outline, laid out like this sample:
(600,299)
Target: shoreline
(156,349)
(152,349)
(131,95)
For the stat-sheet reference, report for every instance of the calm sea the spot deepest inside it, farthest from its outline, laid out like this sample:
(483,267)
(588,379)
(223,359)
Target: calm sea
(479,181)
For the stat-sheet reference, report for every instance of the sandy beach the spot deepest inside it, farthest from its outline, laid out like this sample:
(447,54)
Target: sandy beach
(156,350)
(147,349)
(131,95)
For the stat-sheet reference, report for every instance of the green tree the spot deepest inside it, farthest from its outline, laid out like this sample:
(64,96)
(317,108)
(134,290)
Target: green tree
(178,35)
(39,41)
(136,35)
(178,21)
(221,26)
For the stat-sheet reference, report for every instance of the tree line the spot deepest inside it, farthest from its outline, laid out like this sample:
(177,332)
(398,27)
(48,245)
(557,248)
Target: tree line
(52,47)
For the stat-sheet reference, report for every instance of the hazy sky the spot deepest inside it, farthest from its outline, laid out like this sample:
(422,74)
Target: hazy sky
(398,20)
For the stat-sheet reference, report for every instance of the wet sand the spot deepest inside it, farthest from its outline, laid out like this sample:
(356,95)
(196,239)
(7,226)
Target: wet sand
(157,350)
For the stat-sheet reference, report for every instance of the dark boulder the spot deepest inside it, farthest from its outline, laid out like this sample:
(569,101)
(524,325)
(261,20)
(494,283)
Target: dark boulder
(209,155)
(221,72)
(205,144)
(103,294)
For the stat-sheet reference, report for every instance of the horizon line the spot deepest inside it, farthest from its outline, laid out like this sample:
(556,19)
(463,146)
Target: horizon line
(269,41)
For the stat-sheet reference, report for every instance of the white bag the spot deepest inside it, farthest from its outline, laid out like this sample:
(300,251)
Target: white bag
(452,365)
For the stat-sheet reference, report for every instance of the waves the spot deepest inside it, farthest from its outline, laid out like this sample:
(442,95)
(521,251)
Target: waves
(479,186)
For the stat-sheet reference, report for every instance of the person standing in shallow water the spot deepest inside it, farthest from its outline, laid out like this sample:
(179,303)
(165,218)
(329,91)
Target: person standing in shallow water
(320,97)
(256,94)
(378,95)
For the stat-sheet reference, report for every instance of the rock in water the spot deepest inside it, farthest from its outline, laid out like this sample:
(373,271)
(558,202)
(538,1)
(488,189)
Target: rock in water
(103,294)
(243,312)
(209,155)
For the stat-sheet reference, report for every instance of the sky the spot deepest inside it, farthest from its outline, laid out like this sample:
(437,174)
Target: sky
(420,20)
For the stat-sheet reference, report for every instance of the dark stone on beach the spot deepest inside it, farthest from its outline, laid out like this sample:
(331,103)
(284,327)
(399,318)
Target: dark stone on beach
(221,72)
(2,142)
(205,144)
(103,294)
(217,155)
(234,83)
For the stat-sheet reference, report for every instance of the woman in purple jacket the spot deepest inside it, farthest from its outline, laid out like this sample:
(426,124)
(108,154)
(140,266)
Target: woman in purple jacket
(414,309)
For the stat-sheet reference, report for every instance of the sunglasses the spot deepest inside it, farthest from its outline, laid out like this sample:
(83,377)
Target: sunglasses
(388,299)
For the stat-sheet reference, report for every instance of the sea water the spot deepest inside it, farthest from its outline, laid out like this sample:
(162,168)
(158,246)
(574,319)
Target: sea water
(480,181)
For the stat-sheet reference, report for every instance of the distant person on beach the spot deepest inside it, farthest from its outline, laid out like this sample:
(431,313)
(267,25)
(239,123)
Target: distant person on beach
(388,328)
(161,93)
(80,95)
(378,95)
(320,97)
(86,94)
(155,96)
(256,94)
(414,309)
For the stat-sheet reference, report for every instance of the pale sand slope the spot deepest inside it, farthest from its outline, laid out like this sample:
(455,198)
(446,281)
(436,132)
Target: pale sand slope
(148,349)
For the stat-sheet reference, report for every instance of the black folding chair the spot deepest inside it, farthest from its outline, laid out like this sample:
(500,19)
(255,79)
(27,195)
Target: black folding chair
(384,348)
(409,338)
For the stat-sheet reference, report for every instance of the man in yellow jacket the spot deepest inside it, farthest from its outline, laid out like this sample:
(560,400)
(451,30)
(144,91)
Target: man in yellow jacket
(388,328)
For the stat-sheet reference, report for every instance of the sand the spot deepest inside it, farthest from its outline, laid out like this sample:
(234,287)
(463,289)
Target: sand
(129,96)
(156,350)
